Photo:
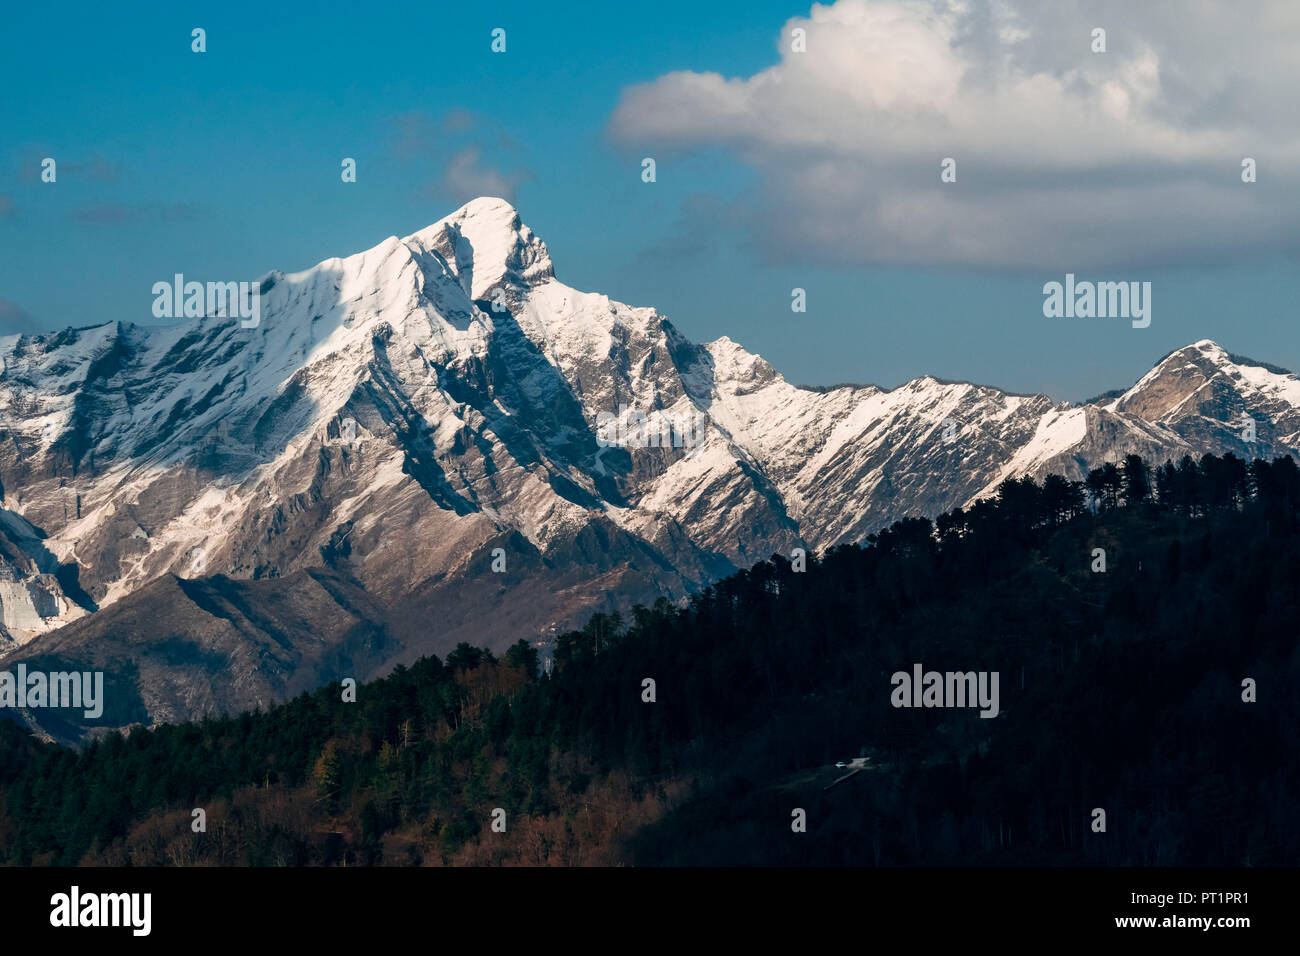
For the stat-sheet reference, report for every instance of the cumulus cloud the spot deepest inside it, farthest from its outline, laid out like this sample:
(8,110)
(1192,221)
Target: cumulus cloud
(1065,157)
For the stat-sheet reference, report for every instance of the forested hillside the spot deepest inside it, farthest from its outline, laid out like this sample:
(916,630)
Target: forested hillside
(1120,689)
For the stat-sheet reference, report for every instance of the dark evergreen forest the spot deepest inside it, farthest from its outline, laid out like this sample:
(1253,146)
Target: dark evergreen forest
(1120,690)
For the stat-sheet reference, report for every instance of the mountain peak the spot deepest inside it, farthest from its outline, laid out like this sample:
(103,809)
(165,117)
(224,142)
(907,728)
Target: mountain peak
(1203,376)
(487,244)
(1205,348)
(734,364)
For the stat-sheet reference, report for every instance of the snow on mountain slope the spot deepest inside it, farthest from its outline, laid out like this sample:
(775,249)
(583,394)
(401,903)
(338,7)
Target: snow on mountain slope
(398,414)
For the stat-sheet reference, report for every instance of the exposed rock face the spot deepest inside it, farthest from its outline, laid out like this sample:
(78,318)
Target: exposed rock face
(32,600)
(236,513)
(29,605)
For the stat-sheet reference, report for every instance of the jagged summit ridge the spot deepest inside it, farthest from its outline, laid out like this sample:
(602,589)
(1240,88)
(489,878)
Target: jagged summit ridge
(485,243)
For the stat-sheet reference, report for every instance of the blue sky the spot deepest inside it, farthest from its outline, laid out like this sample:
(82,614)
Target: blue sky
(226,164)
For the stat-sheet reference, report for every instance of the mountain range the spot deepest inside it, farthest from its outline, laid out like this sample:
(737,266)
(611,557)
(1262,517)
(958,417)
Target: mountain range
(437,440)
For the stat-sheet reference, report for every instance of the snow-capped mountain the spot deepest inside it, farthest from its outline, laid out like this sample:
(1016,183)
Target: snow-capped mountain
(438,440)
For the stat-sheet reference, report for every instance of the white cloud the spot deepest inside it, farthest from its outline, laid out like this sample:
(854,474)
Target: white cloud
(1065,157)
(467,177)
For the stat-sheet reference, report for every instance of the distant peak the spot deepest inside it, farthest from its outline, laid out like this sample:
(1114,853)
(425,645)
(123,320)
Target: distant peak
(486,213)
(733,363)
(1202,350)
(485,206)
(1207,347)
(1219,356)
(486,243)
